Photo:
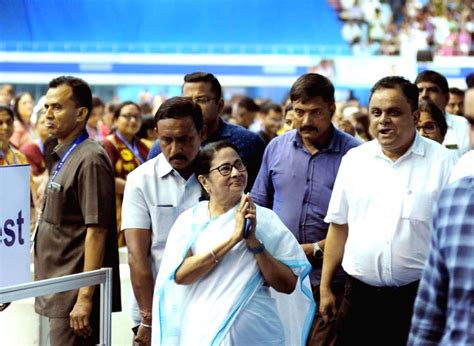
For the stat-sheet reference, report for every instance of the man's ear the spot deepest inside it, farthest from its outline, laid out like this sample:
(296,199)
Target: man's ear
(416,116)
(82,116)
(220,106)
(203,133)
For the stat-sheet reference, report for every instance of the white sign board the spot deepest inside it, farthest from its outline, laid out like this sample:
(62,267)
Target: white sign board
(14,225)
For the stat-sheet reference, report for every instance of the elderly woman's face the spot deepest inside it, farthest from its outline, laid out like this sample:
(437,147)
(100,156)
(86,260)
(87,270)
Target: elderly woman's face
(227,176)
(428,128)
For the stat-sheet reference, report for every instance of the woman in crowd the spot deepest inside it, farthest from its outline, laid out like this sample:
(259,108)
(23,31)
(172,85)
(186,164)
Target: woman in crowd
(125,149)
(219,284)
(23,108)
(11,156)
(432,123)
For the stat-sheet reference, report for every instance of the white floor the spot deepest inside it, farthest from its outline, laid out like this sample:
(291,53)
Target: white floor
(20,325)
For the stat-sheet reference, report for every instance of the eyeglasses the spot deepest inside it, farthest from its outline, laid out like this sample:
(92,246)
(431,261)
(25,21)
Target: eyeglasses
(226,168)
(137,117)
(428,127)
(202,100)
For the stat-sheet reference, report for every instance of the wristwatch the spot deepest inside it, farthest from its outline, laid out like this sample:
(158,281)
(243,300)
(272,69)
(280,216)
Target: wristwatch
(317,251)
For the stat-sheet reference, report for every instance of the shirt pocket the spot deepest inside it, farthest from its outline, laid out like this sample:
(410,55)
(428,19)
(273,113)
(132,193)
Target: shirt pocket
(53,208)
(418,206)
(162,219)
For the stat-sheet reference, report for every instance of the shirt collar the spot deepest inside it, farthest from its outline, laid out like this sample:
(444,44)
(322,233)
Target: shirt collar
(449,119)
(417,148)
(164,167)
(223,131)
(334,144)
(61,149)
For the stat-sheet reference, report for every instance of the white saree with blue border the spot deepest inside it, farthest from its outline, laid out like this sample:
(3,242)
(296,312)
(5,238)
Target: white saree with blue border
(231,305)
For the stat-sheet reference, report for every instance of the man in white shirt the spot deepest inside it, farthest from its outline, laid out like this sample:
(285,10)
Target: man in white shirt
(155,194)
(434,86)
(465,165)
(380,215)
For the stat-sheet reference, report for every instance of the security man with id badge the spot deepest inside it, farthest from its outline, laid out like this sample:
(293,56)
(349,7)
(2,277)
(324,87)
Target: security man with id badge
(76,230)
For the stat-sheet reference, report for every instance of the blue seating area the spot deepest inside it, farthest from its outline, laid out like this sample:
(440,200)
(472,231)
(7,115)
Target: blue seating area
(183,27)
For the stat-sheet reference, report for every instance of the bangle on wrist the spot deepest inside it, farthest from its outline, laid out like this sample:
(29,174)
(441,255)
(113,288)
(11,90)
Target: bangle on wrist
(145,325)
(215,257)
(257,250)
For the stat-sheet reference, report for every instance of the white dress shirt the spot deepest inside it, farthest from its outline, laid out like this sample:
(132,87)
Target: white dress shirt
(155,195)
(457,135)
(388,207)
(464,167)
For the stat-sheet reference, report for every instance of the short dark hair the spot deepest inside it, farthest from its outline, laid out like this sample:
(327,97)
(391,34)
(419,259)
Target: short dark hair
(16,102)
(436,113)
(249,104)
(270,106)
(202,162)
(435,78)
(7,110)
(97,102)
(178,108)
(289,107)
(205,77)
(312,85)
(81,91)
(470,80)
(123,104)
(148,123)
(409,89)
(456,91)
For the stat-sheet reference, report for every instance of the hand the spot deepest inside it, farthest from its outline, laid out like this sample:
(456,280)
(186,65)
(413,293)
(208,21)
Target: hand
(308,249)
(79,317)
(327,305)
(247,210)
(143,336)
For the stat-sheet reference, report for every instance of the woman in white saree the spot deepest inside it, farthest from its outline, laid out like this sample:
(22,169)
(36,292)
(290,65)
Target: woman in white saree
(216,287)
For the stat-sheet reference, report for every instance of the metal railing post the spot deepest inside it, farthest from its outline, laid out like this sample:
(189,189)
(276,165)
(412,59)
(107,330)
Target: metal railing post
(66,283)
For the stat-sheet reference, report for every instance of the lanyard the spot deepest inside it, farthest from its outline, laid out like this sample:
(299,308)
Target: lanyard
(68,153)
(4,155)
(133,149)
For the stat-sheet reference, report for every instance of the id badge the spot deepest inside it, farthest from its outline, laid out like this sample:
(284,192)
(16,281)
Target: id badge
(54,186)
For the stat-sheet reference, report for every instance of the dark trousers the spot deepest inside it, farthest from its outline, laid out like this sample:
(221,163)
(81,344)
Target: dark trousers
(61,334)
(375,315)
(324,333)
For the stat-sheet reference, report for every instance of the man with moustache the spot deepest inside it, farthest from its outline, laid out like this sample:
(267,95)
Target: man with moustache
(206,91)
(76,231)
(155,194)
(380,214)
(297,176)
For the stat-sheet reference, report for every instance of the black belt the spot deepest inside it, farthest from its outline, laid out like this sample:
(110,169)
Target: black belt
(384,290)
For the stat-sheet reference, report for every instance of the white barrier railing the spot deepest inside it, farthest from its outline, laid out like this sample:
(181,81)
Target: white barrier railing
(66,283)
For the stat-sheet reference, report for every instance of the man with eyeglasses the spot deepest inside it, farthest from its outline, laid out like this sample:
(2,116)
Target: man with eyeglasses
(206,91)
(155,194)
(380,216)
(297,175)
(433,86)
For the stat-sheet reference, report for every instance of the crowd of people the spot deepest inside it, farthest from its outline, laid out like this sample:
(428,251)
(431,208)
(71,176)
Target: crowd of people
(309,222)
(378,27)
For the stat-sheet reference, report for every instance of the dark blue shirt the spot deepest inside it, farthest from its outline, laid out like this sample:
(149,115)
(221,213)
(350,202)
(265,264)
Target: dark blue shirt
(249,144)
(298,185)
